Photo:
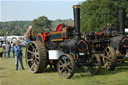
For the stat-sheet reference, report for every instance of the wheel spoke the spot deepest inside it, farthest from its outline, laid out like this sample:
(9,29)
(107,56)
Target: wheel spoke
(32,46)
(30,60)
(61,66)
(35,67)
(61,70)
(68,63)
(109,54)
(37,62)
(65,74)
(37,58)
(109,59)
(32,66)
(69,70)
(64,59)
(104,56)
(107,65)
(29,52)
(61,62)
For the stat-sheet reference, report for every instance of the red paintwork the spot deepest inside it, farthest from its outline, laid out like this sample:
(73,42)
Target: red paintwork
(59,27)
(100,33)
(45,34)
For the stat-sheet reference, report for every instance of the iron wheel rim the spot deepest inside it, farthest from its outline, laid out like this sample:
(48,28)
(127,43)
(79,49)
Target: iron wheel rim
(33,57)
(66,66)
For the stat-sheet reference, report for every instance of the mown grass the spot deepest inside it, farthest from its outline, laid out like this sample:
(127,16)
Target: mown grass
(9,76)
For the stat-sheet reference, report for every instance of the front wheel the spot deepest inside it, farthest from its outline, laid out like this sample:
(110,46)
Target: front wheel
(109,58)
(65,66)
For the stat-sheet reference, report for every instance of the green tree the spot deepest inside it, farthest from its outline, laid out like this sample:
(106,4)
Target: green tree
(41,24)
(97,13)
(14,27)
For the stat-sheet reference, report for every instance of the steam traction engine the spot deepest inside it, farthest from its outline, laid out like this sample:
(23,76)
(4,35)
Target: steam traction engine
(111,45)
(64,48)
(119,41)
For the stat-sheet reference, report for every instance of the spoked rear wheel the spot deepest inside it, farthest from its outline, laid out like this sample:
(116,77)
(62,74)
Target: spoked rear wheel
(109,58)
(95,65)
(65,66)
(36,57)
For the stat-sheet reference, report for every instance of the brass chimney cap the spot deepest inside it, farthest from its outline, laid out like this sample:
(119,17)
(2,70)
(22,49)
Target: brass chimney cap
(76,6)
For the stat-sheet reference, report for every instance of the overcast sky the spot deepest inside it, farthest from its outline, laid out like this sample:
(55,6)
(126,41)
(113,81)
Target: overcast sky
(12,10)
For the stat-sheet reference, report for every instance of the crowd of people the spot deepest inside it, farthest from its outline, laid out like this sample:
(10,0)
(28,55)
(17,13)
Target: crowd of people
(16,51)
(6,49)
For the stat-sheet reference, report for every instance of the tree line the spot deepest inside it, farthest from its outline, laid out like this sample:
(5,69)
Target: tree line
(41,24)
(14,27)
(98,13)
(94,15)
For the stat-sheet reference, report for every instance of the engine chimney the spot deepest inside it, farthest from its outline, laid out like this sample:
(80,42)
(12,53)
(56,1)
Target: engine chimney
(76,9)
(122,20)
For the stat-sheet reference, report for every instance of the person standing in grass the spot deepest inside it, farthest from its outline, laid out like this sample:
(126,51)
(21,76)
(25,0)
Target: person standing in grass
(3,46)
(13,52)
(18,55)
(7,49)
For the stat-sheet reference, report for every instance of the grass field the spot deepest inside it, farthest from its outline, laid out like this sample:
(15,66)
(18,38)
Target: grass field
(9,76)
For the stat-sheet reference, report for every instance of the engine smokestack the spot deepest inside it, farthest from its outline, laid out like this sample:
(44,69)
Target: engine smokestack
(122,20)
(76,9)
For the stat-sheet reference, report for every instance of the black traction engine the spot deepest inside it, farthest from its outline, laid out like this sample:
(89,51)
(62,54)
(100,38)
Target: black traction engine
(111,45)
(63,48)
